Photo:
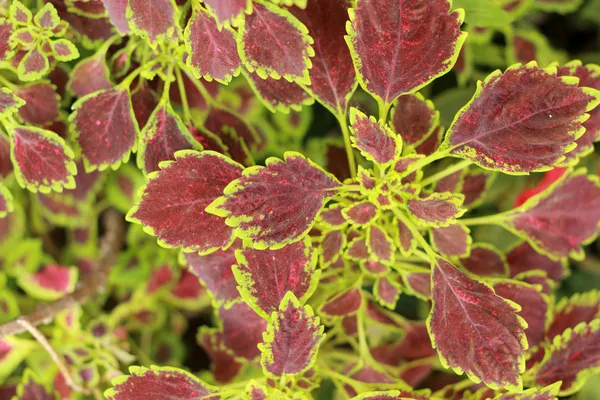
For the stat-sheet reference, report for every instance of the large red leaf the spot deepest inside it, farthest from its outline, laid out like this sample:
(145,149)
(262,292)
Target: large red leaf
(292,339)
(116,10)
(332,76)
(41,103)
(570,311)
(242,329)
(400,46)
(277,204)
(414,118)
(274,43)
(105,128)
(524,258)
(375,140)
(493,351)
(229,12)
(173,201)
(161,20)
(522,120)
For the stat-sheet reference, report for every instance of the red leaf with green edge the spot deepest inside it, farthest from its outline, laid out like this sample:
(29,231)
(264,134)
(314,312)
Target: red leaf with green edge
(431,144)
(292,339)
(64,50)
(538,277)
(90,75)
(174,200)
(523,258)
(375,140)
(360,213)
(474,186)
(374,268)
(159,279)
(212,53)
(381,245)
(161,21)
(208,140)
(144,101)
(570,311)
(41,103)
(49,284)
(485,260)
(401,167)
(279,94)
(47,18)
(342,304)
(242,329)
(500,128)
(572,357)
(254,391)
(494,355)
(223,366)
(33,388)
(274,43)
(188,287)
(452,241)
(561,220)
(86,184)
(277,204)
(548,393)
(386,292)
(535,307)
(159,382)
(164,135)
(418,283)
(333,217)
(414,118)
(6,201)
(229,12)
(33,65)
(386,36)
(415,344)
(105,128)
(116,10)
(332,245)
(405,239)
(449,183)
(265,276)
(215,273)
(332,76)
(437,210)
(6,31)
(358,250)
(221,121)
(42,160)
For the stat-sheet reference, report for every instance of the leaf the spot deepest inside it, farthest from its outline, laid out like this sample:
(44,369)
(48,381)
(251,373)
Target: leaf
(547,393)
(474,186)
(485,260)
(374,267)
(174,200)
(279,95)
(380,245)
(452,241)
(223,366)
(386,292)
(9,102)
(212,53)
(277,204)
(332,246)
(47,18)
(389,395)
(265,276)
(437,210)
(483,13)
(143,101)
(274,43)
(105,128)
(116,10)
(159,382)
(20,14)
(221,122)
(388,35)
(6,201)
(163,136)
(242,329)
(376,141)
(360,213)
(418,283)
(332,76)
(229,12)
(358,250)
(6,45)
(33,388)
(33,66)
(12,353)
(42,160)
(493,354)
(343,303)
(157,22)
(500,128)
(561,220)
(42,103)
(49,284)
(414,118)
(571,358)
(64,50)
(570,311)
(523,258)
(333,217)
(292,339)
(90,75)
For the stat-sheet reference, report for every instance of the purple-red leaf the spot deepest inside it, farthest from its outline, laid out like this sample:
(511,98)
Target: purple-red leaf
(41,103)
(279,94)
(116,10)
(6,31)
(159,21)
(381,245)
(360,213)
(90,75)
(333,216)
(474,185)
(331,247)
(493,352)
(523,258)
(173,202)
(223,366)
(414,118)
(9,102)
(358,250)
(452,241)
(437,210)
(485,260)
(405,238)
(376,141)
(581,307)
(242,329)
(342,304)
(386,291)
(229,12)
(50,283)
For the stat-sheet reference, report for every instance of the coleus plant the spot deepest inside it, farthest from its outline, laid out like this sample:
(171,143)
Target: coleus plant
(300,252)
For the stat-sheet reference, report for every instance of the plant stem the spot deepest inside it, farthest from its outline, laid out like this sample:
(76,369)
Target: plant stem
(384,110)
(415,232)
(426,161)
(187,116)
(7,83)
(488,219)
(341,117)
(365,353)
(446,172)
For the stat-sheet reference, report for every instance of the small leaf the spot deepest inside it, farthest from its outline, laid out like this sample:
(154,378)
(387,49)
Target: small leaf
(105,128)
(6,45)
(20,14)
(332,245)
(90,75)
(376,141)
(381,245)
(174,201)
(360,213)
(437,210)
(386,292)
(33,66)
(277,204)
(157,22)
(116,10)
(485,260)
(64,50)
(9,102)
(47,18)
(242,329)
(159,382)
(523,258)
(342,304)
(474,186)
(51,283)
(223,366)
(405,238)
(229,12)
(548,393)
(570,311)
(42,103)
(494,355)
(289,58)
(389,395)
(358,250)
(452,241)
(414,118)
(42,160)
(279,95)
(292,339)
(333,217)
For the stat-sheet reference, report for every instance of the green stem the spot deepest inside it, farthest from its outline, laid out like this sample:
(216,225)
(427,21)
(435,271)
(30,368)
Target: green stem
(446,172)
(365,353)
(341,117)
(384,110)
(187,116)
(106,45)
(7,83)
(426,161)
(415,232)
(488,219)
(125,83)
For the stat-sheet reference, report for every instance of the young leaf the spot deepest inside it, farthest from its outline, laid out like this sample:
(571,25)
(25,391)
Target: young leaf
(6,201)
(161,21)
(386,292)
(49,284)
(570,311)
(279,95)
(42,103)
(332,244)
(90,75)
(452,241)
(265,276)
(333,217)
(105,128)
(342,304)
(414,118)
(501,129)
(405,238)
(33,66)
(6,45)
(64,50)
(389,395)
(387,36)
(360,213)
(116,10)
(9,102)
(376,141)
(174,200)
(43,162)
(212,53)
(437,210)
(47,18)
(381,245)
(358,250)
(274,43)
(159,382)
(277,204)
(485,260)
(229,12)
(242,329)
(523,258)
(494,353)
(292,339)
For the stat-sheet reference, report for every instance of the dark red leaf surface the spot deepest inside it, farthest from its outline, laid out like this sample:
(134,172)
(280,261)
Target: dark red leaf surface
(401,46)
(474,185)
(55,278)
(229,12)
(144,101)
(242,329)
(347,302)
(90,75)
(116,10)
(386,292)
(361,213)
(452,241)
(279,95)
(405,238)
(439,209)
(221,121)
(523,258)
(485,260)
(493,352)
(6,31)
(173,203)
(41,103)
(581,307)
(333,217)
(375,140)
(160,20)
(419,282)
(414,344)
(357,249)
(331,247)
(413,118)
(380,245)
(9,103)
(223,364)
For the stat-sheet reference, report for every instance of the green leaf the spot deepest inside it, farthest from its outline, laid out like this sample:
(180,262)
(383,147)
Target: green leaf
(483,13)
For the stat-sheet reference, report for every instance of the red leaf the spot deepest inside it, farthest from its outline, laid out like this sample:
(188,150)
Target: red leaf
(243,329)
(43,162)
(144,101)
(333,216)
(405,238)
(376,141)
(332,246)
(229,12)
(500,127)
(105,128)
(473,187)
(173,202)
(418,282)
(33,65)
(390,395)
(33,388)
(386,292)
(414,118)
(342,304)
(159,21)
(279,95)
(493,354)
(485,260)
(437,210)
(291,340)
(274,43)
(277,204)
(524,258)
(223,364)
(414,344)
(221,122)
(90,75)
(6,31)
(380,245)
(41,103)
(332,76)
(357,250)
(9,102)
(549,178)
(431,143)
(212,53)
(388,38)
(452,241)
(375,268)
(581,307)
(265,276)
(116,10)
(6,166)
(360,213)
